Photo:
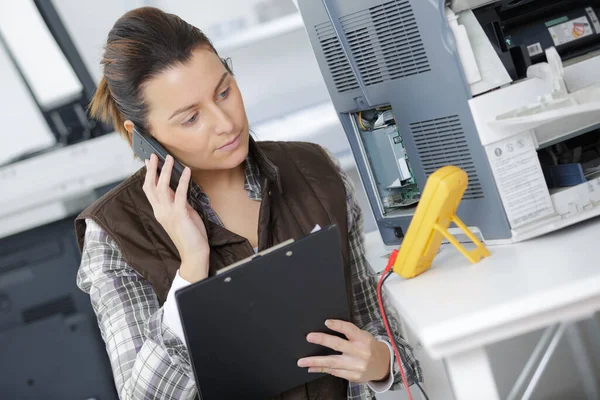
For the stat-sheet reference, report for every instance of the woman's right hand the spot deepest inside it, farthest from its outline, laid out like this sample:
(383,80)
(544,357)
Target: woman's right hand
(181,222)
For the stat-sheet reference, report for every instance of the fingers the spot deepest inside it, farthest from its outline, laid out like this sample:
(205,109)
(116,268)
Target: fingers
(361,359)
(333,362)
(164,179)
(333,342)
(151,178)
(182,188)
(350,376)
(153,170)
(348,329)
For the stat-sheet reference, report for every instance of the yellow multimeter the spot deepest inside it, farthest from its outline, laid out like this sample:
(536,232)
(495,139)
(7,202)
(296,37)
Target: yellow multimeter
(429,226)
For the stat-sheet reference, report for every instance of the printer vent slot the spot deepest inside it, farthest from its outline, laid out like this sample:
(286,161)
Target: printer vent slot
(384,40)
(442,142)
(336,59)
(64,305)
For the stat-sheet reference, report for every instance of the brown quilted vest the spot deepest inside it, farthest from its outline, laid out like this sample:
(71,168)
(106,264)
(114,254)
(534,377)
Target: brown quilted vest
(301,188)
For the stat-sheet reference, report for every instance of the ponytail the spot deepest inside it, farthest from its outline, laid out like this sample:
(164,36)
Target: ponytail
(103,107)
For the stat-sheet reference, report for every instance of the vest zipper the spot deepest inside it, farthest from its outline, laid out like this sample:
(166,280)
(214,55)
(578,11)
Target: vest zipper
(265,192)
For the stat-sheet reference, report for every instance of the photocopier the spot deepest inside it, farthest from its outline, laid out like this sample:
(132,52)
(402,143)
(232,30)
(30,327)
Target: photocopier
(50,343)
(507,90)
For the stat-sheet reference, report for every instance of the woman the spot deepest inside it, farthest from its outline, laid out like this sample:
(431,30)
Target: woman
(143,241)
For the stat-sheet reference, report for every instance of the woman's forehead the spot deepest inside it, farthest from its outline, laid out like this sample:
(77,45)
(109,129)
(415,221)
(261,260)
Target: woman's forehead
(186,83)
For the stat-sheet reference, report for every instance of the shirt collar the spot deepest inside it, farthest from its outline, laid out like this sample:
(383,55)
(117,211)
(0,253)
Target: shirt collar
(251,184)
(257,164)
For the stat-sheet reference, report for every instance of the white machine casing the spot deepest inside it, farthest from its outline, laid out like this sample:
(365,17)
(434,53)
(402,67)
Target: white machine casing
(558,101)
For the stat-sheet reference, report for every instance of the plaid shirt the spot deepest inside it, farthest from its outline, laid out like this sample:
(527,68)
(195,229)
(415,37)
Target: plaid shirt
(148,360)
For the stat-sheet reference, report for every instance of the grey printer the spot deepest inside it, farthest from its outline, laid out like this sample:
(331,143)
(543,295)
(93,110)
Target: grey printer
(406,76)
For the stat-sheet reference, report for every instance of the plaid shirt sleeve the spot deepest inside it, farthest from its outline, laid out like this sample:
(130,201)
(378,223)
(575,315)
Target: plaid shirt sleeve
(366,313)
(148,360)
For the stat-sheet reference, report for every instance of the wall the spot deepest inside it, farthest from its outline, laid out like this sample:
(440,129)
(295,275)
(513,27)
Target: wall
(277,76)
(204,14)
(89,22)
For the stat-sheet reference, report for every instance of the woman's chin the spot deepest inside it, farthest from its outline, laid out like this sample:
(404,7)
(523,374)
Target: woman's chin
(236,157)
(241,153)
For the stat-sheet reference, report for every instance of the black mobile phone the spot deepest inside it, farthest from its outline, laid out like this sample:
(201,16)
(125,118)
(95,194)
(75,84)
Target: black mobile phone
(143,147)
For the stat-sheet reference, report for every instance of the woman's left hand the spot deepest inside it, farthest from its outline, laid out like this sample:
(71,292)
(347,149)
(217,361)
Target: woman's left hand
(363,358)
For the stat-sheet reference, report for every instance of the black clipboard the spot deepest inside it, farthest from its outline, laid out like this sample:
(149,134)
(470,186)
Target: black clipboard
(246,327)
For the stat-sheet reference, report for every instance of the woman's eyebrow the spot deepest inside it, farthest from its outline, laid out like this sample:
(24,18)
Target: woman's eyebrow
(221,81)
(186,108)
(183,109)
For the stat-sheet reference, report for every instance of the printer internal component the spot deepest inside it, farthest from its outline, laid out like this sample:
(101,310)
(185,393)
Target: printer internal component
(521,31)
(388,160)
(571,162)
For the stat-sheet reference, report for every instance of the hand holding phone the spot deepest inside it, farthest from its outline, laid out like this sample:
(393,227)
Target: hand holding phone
(181,222)
(166,186)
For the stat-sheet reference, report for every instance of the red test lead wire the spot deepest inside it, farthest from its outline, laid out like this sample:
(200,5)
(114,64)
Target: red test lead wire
(387,270)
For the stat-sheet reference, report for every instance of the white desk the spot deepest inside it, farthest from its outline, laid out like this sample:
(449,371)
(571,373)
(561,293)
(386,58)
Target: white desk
(456,308)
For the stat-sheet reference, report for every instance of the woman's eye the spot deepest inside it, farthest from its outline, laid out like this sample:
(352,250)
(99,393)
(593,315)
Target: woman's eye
(191,120)
(224,94)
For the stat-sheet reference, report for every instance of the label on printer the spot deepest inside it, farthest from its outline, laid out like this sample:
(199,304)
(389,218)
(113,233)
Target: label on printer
(535,49)
(570,31)
(520,180)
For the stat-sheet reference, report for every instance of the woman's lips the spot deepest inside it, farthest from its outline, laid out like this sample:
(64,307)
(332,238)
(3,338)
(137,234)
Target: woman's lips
(232,145)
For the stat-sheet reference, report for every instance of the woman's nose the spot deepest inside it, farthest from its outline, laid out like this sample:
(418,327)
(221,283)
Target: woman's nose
(222,123)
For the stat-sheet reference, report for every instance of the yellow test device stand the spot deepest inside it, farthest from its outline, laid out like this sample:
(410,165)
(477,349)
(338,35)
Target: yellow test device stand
(429,226)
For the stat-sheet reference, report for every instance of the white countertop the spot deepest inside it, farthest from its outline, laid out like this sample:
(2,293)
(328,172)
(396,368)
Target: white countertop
(456,306)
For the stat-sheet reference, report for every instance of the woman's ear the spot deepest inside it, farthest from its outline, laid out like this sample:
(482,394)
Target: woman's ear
(128,125)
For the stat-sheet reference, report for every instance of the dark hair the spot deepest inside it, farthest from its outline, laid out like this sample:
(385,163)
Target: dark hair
(143,43)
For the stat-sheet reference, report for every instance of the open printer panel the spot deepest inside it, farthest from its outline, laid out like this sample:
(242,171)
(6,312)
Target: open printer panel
(399,90)
(521,31)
